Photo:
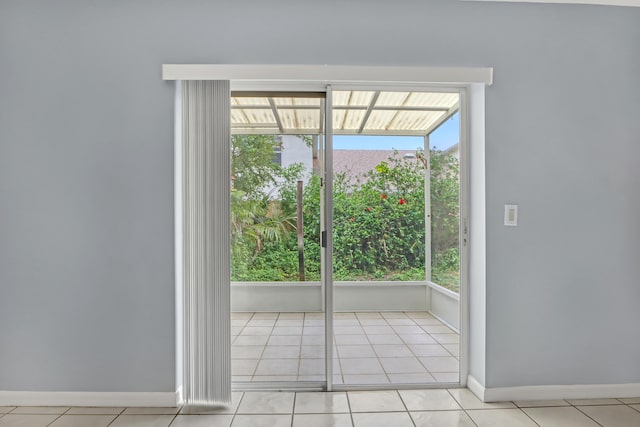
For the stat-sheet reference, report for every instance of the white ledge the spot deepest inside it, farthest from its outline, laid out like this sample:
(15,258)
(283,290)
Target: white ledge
(276,284)
(328,74)
(444,290)
(365,283)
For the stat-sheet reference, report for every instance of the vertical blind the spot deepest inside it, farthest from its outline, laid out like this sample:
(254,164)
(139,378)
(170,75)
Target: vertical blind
(205,152)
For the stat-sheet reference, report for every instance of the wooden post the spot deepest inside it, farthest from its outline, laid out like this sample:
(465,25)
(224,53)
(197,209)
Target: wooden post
(300,229)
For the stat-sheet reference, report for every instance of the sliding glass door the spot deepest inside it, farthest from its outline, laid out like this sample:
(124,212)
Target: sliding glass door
(375,209)
(395,237)
(278,218)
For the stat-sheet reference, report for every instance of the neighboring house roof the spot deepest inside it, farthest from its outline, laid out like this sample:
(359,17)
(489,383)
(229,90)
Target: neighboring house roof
(454,150)
(359,162)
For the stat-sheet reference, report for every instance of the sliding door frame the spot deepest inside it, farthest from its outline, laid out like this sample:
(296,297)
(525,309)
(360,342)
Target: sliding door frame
(327,240)
(327,79)
(464,197)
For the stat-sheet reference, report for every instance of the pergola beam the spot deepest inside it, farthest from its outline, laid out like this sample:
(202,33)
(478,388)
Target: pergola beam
(273,130)
(450,112)
(340,107)
(372,103)
(276,115)
(321,129)
(396,108)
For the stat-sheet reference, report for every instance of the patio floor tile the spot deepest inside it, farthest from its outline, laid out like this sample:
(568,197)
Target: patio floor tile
(613,415)
(395,419)
(369,348)
(361,366)
(428,400)
(422,378)
(266,403)
(321,403)
(565,416)
(355,351)
(401,365)
(375,401)
(322,420)
(83,421)
(442,418)
(501,418)
(392,350)
(440,364)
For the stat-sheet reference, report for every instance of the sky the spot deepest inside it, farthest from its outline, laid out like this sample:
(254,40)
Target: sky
(442,138)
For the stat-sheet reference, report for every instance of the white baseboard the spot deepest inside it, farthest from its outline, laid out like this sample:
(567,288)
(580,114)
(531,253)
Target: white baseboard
(179,397)
(79,398)
(475,387)
(552,392)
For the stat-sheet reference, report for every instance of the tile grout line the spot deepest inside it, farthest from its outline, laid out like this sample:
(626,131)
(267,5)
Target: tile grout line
(526,415)
(463,408)
(411,350)
(371,344)
(119,414)
(304,315)
(263,348)
(293,408)
(408,346)
(174,418)
(378,357)
(405,407)
(58,417)
(350,411)
(584,413)
(441,345)
(237,408)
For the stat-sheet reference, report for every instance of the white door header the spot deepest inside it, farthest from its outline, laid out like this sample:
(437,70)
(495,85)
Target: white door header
(329,74)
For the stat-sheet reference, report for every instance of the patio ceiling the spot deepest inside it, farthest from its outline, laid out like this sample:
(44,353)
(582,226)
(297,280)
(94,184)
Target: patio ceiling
(354,112)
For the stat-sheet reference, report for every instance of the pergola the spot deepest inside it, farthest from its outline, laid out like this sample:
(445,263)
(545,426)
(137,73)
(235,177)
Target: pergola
(354,112)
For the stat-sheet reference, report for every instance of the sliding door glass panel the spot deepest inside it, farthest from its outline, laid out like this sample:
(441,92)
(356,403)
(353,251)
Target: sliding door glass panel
(385,331)
(277,303)
(444,271)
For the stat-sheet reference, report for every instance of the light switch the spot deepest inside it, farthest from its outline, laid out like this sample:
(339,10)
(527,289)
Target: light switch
(511,215)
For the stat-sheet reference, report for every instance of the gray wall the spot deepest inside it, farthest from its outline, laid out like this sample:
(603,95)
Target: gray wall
(86,169)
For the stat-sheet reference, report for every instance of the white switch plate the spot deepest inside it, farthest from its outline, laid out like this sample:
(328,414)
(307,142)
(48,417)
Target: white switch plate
(511,215)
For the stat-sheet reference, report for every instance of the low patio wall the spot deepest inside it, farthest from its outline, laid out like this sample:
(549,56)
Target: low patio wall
(276,296)
(348,296)
(444,304)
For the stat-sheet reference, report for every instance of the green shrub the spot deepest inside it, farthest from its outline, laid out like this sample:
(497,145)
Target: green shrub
(379,219)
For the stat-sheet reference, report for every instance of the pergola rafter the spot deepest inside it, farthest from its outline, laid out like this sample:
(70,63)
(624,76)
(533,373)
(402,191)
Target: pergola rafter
(355,113)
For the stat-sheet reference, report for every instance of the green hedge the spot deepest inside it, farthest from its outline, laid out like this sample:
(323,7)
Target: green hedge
(379,219)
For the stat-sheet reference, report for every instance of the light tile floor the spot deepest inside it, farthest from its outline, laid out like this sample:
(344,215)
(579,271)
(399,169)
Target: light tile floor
(388,408)
(370,348)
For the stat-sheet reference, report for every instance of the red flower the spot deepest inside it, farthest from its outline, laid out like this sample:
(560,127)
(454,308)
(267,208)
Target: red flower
(352,219)
(368,209)
(383,196)
(401,201)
